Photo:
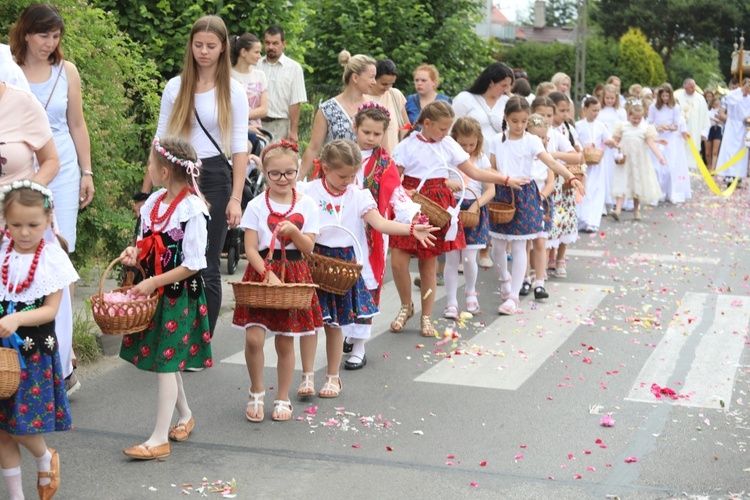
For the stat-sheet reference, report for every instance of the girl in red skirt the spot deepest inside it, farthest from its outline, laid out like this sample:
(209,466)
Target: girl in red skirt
(294,218)
(424,155)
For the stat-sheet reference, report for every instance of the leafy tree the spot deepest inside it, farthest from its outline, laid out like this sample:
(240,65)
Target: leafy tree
(638,62)
(120,102)
(700,64)
(667,23)
(558,14)
(163,26)
(410,32)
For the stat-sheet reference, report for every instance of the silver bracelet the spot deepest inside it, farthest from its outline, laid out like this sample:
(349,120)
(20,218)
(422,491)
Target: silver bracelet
(87,172)
(236,199)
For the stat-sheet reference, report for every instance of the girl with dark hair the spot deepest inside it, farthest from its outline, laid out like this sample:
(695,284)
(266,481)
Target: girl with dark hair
(244,54)
(392,99)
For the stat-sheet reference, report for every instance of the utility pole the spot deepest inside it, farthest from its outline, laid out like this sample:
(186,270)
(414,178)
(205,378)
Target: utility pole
(579,87)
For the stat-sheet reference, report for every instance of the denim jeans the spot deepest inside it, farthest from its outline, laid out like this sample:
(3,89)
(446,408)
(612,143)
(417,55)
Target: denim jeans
(215,183)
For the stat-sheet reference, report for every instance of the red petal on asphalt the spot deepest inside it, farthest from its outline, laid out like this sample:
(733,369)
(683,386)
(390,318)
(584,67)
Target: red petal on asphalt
(518,457)
(523,446)
(587,452)
(598,441)
(356,446)
(631,460)
(389,448)
(451,456)
(571,456)
(577,476)
(474,485)
(483,463)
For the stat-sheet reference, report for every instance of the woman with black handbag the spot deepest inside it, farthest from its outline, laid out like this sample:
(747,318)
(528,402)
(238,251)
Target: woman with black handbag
(208,108)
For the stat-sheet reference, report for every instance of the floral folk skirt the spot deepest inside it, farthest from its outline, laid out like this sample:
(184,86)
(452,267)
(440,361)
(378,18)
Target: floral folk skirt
(528,221)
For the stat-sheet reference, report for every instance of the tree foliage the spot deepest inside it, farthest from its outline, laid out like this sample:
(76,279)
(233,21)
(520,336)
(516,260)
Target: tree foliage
(120,102)
(638,62)
(410,32)
(667,23)
(558,14)
(163,26)
(701,64)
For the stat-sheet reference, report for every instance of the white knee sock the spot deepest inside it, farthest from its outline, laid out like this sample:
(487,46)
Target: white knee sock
(13,482)
(518,250)
(452,259)
(501,261)
(164,408)
(471,269)
(183,410)
(44,464)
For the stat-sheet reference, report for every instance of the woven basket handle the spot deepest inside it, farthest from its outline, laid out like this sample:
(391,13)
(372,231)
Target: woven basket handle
(269,256)
(359,254)
(460,178)
(109,268)
(476,198)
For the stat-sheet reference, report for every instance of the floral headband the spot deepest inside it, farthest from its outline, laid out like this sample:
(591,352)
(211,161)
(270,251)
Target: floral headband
(192,169)
(26,184)
(375,105)
(283,143)
(538,121)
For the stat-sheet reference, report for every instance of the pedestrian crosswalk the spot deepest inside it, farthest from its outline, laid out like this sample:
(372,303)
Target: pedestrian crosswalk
(698,356)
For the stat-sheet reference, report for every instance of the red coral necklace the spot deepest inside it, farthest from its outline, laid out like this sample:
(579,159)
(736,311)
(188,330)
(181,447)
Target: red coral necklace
(278,214)
(325,186)
(32,270)
(163,219)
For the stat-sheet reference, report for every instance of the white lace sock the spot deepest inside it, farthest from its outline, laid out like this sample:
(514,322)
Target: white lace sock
(471,268)
(13,482)
(538,283)
(452,259)
(358,348)
(44,464)
(183,410)
(164,408)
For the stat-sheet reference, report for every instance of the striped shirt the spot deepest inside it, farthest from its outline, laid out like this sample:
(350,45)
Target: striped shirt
(286,85)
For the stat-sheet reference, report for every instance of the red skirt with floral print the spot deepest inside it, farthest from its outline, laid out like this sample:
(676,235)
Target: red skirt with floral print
(437,191)
(281,321)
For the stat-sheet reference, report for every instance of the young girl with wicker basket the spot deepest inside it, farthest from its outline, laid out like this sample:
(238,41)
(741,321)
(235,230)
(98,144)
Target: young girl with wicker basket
(34,275)
(343,210)
(565,226)
(381,177)
(172,250)
(512,152)
(467,132)
(279,226)
(425,158)
(594,134)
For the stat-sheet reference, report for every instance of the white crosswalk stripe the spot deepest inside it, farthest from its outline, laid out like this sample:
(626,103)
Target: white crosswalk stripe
(700,351)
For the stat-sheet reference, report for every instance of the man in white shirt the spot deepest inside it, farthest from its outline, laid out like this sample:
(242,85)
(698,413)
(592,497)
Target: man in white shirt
(695,109)
(10,72)
(286,87)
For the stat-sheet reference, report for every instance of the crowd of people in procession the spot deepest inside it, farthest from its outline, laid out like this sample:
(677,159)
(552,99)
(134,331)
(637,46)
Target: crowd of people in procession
(375,162)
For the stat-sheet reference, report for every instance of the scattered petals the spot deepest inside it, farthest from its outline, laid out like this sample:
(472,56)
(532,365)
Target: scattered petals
(631,460)
(483,463)
(606,421)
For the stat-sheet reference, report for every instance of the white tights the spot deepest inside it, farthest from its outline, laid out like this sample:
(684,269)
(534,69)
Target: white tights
(518,250)
(171,396)
(471,269)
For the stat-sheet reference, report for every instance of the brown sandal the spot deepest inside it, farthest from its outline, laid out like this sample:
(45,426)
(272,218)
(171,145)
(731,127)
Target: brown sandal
(48,490)
(402,317)
(427,329)
(180,432)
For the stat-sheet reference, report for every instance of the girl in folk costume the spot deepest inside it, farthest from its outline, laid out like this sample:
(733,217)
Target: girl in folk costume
(341,203)
(468,134)
(381,177)
(560,149)
(280,217)
(34,275)
(424,156)
(610,114)
(512,152)
(666,115)
(565,220)
(172,251)
(636,178)
(593,134)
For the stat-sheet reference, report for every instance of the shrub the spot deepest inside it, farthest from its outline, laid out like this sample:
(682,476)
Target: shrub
(639,63)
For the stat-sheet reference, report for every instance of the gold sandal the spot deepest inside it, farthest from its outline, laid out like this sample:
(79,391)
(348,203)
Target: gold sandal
(402,317)
(427,329)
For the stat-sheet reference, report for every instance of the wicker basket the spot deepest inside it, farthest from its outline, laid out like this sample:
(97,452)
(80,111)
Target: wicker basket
(280,296)
(470,219)
(502,213)
(438,216)
(578,171)
(120,318)
(593,156)
(334,275)
(10,372)
(622,158)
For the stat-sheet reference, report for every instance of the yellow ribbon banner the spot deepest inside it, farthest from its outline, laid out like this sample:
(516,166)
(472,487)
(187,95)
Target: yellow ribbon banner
(708,176)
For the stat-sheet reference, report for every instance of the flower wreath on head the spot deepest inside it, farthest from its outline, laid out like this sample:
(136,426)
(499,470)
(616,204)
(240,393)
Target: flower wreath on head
(538,121)
(375,105)
(27,184)
(192,168)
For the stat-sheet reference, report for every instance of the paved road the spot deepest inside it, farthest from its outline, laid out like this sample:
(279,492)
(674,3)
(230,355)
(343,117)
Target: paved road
(512,409)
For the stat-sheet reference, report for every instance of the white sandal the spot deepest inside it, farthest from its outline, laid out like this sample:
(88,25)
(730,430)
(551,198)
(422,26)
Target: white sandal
(255,403)
(280,407)
(472,304)
(329,386)
(451,312)
(509,307)
(307,387)
(561,272)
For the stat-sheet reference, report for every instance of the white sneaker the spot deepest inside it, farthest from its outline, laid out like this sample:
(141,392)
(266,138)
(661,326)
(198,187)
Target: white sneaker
(72,384)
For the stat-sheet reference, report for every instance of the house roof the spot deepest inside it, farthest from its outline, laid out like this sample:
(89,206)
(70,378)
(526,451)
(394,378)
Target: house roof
(548,34)
(499,18)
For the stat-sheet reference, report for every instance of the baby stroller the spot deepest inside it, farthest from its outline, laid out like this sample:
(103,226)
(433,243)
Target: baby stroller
(234,243)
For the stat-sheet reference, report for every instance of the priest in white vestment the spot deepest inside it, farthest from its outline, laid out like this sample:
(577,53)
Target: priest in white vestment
(695,109)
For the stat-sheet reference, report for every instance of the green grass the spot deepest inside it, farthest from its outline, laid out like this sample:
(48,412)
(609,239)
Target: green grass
(84,336)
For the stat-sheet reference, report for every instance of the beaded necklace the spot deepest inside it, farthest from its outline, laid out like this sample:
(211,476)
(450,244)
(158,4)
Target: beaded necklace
(163,219)
(325,186)
(291,209)
(32,270)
